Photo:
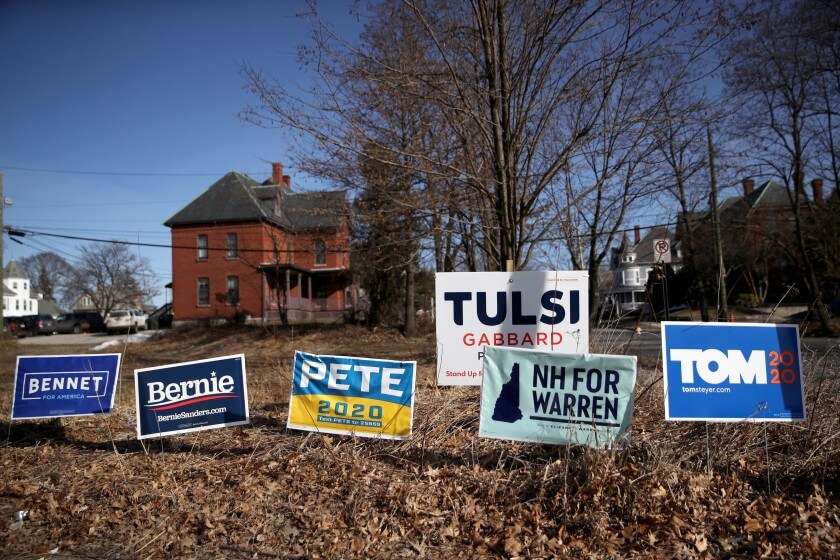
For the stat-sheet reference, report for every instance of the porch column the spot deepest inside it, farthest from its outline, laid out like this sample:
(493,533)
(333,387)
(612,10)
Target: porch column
(300,285)
(288,285)
(309,281)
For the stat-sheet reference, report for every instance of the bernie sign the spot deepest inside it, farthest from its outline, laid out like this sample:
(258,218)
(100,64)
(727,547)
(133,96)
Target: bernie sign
(732,372)
(477,310)
(191,396)
(547,397)
(355,396)
(53,386)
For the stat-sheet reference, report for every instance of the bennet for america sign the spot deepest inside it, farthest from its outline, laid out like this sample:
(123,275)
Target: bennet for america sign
(543,310)
(191,396)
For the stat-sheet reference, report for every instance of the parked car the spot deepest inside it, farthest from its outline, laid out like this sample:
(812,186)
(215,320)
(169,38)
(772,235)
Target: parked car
(125,320)
(79,321)
(160,318)
(31,325)
(140,319)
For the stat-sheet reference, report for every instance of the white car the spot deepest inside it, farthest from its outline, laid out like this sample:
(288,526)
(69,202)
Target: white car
(125,320)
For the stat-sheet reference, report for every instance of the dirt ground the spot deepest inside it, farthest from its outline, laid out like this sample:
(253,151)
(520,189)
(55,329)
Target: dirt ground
(677,490)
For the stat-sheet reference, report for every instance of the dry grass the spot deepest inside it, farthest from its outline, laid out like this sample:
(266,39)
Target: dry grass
(93,491)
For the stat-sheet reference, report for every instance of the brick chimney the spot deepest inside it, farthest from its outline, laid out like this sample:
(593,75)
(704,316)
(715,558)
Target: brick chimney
(816,187)
(638,231)
(748,184)
(287,180)
(276,173)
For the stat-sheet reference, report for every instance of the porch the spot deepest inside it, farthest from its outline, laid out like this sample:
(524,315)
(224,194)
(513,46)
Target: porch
(306,296)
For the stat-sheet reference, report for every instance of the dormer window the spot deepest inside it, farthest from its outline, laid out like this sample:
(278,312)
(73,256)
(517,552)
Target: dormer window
(630,257)
(320,252)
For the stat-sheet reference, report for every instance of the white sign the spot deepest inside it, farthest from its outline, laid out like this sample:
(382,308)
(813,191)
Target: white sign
(544,310)
(662,251)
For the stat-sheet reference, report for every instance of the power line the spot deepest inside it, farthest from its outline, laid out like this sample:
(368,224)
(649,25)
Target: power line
(128,173)
(18,232)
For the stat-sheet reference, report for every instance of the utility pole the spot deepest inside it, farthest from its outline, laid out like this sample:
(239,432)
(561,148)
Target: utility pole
(722,311)
(2,233)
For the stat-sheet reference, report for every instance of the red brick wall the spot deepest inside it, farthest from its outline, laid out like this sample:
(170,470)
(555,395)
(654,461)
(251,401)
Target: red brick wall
(187,269)
(338,249)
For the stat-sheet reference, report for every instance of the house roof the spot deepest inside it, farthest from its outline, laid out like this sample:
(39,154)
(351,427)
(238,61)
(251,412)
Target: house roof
(768,195)
(7,291)
(644,248)
(14,270)
(239,198)
(49,307)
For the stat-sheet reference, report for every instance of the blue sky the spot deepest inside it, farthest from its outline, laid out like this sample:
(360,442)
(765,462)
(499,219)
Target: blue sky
(136,87)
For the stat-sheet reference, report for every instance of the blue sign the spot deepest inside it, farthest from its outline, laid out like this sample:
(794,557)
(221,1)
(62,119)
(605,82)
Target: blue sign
(191,396)
(732,372)
(53,386)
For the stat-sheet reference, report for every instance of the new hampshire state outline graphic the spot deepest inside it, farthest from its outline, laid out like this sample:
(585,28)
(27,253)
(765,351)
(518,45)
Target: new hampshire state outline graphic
(507,404)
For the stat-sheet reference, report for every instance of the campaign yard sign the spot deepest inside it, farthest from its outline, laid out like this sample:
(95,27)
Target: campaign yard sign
(191,396)
(732,372)
(531,309)
(355,396)
(73,385)
(549,397)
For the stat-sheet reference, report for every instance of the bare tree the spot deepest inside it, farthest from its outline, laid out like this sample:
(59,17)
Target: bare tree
(111,275)
(48,273)
(505,87)
(613,170)
(773,77)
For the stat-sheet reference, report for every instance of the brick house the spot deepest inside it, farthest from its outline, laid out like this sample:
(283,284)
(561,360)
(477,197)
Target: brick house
(262,251)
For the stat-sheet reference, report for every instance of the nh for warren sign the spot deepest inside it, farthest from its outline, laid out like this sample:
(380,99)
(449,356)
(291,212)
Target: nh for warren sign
(531,309)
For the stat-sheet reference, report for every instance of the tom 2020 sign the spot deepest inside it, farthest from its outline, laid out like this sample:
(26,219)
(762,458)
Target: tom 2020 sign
(732,372)
(191,396)
(530,309)
(54,386)
(360,396)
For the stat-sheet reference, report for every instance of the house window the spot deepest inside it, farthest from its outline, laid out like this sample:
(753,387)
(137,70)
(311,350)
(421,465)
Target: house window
(320,252)
(17,305)
(231,245)
(24,285)
(304,287)
(203,291)
(202,248)
(233,290)
(14,285)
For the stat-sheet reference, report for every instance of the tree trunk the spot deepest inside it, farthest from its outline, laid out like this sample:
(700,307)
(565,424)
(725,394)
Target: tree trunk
(410,314)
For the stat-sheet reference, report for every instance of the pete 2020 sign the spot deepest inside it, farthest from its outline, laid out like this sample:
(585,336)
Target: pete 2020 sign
(731,372)
(359,396)
(52,386)
(191,396)
(547,397)
(531,309)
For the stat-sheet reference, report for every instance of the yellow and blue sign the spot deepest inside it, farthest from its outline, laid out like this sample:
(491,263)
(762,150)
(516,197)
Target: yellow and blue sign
(54,386)
(549,397)
(354,396)
(732,372)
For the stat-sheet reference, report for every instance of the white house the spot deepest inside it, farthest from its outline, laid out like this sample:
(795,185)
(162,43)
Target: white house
(631,265)
(17,300)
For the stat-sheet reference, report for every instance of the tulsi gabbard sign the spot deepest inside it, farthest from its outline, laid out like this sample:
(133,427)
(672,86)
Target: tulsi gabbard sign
(359,396)
(732,372)
(547,397)
(53,386)
(530,309)
(191,396)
